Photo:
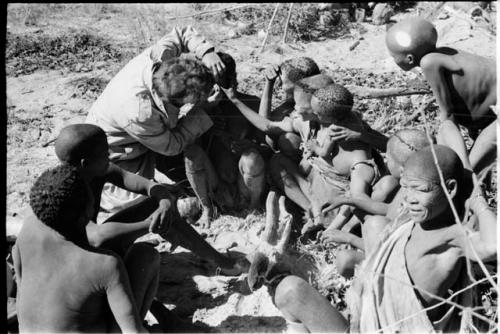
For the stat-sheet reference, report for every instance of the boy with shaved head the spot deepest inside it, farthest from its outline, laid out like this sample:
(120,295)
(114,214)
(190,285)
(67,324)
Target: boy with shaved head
(464,86)
(85,146)
(420,261)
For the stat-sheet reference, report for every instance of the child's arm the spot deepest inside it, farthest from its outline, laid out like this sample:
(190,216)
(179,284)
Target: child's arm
(324,150)
(271,73)
(121,299)
(342,237)
(435,66)
(257,120)
(16,257)
(366,134)
(370,206)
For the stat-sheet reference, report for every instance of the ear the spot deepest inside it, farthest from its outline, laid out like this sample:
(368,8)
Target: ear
(84,163)
(410,59)
(451,186)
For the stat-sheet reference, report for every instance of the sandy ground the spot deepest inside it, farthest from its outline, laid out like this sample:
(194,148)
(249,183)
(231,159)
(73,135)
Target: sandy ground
(40,104)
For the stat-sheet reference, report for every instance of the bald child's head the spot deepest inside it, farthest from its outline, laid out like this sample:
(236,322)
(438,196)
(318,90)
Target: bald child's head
(331,103)
(409,40)
(84,146)
(401,145)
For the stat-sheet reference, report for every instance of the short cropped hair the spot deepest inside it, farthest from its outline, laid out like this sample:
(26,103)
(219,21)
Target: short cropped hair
(334,100)
(58,197)
(312,83)
(299,68)
(179,78)
(404,142)
(230,72)
(79,141)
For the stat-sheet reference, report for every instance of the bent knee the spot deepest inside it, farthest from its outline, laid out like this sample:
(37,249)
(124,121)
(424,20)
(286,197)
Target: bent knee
(289,291)
(143,253)
(194,158)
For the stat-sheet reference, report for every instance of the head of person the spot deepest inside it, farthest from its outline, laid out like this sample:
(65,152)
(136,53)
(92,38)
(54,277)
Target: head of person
(401,145)
(229,78)
(304,89)
(332,104)
(409,40)
(182,81)
(423,195)
(295,69)
(84,146)
(60,199)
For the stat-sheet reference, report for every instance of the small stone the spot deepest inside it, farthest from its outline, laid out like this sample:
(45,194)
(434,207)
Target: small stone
(261,34)
(232,34)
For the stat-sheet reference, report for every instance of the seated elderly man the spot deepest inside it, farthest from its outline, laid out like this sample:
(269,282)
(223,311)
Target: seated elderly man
(151,113)
(421,261)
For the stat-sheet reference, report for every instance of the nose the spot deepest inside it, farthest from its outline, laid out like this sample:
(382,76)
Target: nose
(410,197)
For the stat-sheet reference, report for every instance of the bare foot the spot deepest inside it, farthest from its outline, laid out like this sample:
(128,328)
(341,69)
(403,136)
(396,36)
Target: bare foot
(206,218)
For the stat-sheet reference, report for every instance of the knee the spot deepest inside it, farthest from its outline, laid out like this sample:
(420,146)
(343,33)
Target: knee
(345,263)
(289,291)
(194,158)
(289,144)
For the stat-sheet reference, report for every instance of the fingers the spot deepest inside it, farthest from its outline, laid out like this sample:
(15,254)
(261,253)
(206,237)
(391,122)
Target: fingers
(328,209)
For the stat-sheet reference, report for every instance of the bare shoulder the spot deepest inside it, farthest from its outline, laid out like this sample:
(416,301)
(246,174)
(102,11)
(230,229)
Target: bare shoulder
(102,265)
(434,60)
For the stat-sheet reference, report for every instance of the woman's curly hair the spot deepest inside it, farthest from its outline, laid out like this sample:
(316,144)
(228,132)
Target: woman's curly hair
(58,197)
(180,78)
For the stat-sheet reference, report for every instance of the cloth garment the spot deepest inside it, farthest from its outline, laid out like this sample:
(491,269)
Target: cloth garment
(382,297)
(137,122)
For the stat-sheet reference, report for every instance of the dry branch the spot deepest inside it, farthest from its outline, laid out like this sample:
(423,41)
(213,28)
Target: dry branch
(377,93)
(211,11)
(287,22)
(418,112)
(269,27)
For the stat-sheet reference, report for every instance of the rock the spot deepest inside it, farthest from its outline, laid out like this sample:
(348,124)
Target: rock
(232,33)
(261,34)
(382,13)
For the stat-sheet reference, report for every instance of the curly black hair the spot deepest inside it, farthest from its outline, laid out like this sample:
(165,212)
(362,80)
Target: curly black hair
(180,78)
(230,72)
(58,197)
(299,68)
(333,100)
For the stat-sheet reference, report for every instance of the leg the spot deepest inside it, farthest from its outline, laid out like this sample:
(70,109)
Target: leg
(483,152)
(301,303)
(286,182)
(203,179)
(142,262)
(371,230)
(346,261)
(252,170)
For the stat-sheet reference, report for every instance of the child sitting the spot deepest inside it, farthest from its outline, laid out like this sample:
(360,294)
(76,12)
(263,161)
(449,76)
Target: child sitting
(65,284)
(85,147)
(385,200)
(464,86)
(421,261)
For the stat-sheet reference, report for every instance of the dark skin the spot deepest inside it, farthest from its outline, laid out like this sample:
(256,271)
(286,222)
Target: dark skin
(96,280)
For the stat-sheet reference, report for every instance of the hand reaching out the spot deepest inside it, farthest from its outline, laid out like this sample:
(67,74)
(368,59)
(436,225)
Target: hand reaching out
(271,72)
(214,63)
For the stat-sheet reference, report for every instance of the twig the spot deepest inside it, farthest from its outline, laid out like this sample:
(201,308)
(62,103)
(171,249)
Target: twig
(287,22)
(417,113)
(50,141)
(452,206)
(211,11)
(355,44)
(376,93)
(269,27)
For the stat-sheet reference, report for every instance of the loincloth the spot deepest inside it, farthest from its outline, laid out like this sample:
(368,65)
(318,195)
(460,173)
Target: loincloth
(382,297)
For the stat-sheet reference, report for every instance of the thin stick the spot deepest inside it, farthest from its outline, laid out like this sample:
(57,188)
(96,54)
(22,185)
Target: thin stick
(417,113)
(452,206)
(269,27)
(287,22)
(376,93)
(211,11)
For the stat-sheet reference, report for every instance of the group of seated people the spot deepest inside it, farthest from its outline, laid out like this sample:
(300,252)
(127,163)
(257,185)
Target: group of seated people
(78,266)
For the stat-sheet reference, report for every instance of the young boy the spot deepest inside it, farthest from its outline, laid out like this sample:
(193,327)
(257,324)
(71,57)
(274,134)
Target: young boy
(464,85)
(401,284)
(385,200)
(65,284)
(233,146)
(85,146)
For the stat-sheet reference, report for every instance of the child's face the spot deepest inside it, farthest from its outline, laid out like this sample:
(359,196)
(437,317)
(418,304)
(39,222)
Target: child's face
(302,102)
(404,61)
(287,86)
(424,199)
(393,166)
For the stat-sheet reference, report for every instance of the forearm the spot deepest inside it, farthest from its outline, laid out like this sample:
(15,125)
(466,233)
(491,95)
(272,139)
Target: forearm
(368,205)
(265,102)
(450,136)
(374,138)
(107,234)
(356,241)
(257,120)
